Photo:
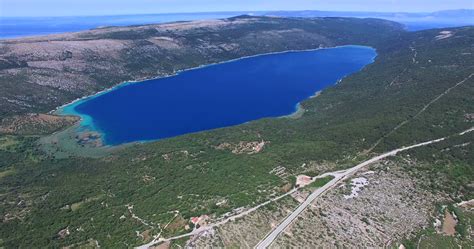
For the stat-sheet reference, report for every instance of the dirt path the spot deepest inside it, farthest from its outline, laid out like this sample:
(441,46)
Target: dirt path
(338,176)
(415,54)
(202,229)
(414,61)
(273,235)
(418,113)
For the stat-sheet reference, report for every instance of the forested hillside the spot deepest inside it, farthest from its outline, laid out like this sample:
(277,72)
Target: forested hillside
(420,87)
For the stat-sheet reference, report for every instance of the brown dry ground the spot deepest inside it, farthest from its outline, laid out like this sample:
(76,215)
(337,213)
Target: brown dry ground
(246,232)
(35,124)
(390,208)
(449,224)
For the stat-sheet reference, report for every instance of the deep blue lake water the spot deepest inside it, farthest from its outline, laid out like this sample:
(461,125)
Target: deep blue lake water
(216,96)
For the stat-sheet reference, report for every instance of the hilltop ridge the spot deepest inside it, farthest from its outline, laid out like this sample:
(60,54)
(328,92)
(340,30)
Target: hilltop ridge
(419,89)
(41,73)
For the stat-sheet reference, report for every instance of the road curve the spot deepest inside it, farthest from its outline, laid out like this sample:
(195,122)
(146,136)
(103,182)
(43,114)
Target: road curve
(268,240)
(338,176)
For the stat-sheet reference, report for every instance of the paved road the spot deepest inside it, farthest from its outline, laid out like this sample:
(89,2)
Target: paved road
(268,240)
(203,229)
(338,176)
(274,234)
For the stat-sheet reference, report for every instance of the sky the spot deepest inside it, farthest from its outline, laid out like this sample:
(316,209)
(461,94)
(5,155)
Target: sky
(119,7)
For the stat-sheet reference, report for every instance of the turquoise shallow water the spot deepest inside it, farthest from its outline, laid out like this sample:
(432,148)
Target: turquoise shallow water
(216,96)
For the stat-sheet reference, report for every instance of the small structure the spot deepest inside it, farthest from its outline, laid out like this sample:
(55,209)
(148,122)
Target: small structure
(201,220)
(303,180)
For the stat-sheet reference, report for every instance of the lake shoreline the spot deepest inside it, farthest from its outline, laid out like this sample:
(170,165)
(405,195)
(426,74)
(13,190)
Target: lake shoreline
(130,82)
(86,122)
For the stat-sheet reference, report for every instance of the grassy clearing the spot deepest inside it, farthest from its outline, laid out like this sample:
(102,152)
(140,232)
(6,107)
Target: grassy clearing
(8,142)
(320,182)
(77,205)
(7,172)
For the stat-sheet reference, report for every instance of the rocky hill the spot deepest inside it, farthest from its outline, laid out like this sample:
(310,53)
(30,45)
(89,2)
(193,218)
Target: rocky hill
(419,88)
(40,73)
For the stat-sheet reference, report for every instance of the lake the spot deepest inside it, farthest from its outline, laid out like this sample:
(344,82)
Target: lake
(216,96)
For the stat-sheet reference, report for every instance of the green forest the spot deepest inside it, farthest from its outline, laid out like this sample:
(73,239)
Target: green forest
(387,105)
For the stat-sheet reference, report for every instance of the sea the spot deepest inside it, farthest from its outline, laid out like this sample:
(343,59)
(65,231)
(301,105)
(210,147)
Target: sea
(14,27)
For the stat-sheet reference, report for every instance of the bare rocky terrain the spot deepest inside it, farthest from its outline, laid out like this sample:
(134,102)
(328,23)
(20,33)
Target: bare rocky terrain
(245,232)
(390,207)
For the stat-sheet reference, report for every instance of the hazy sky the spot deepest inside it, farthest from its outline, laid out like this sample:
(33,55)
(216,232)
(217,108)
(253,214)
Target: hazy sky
(113,7)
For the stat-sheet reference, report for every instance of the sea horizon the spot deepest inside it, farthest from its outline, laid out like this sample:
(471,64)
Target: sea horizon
(29,26)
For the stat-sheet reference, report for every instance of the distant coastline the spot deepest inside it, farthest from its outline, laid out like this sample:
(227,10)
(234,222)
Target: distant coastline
(18,27)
